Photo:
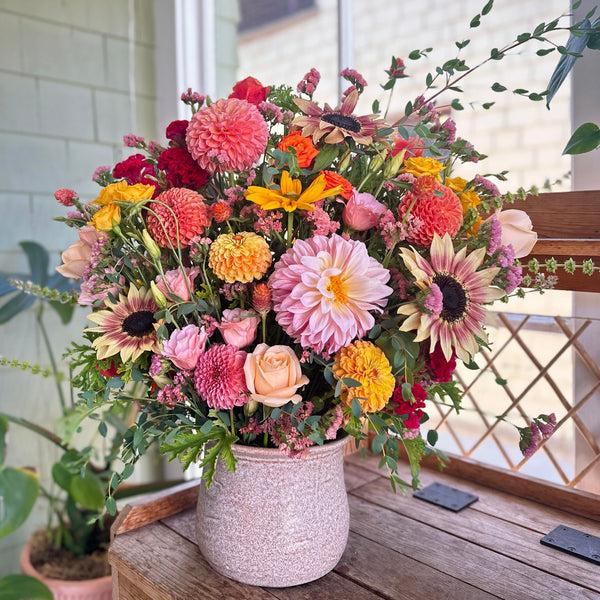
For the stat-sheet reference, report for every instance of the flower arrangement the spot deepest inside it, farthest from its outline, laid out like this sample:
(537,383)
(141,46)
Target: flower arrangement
(285,273)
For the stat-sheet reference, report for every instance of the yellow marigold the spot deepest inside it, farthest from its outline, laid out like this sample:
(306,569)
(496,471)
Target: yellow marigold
(366,363)
(239,257)
(110,213)
(423,165)
(469,198)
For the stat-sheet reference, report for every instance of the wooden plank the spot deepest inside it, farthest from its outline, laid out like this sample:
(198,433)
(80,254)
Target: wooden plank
(477,566)
(166,566)
(398,576)
(567,247)
(486,531)
(354,476)
(129,591)
(155,507)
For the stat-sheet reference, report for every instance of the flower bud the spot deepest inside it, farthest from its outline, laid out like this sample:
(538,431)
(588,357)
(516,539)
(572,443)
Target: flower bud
(158,296)
(345,163)
(393,166)
(377,161)
(250,408)
(150,245)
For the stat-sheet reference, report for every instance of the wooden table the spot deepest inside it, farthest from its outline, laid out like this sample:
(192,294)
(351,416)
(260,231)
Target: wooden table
(399,547)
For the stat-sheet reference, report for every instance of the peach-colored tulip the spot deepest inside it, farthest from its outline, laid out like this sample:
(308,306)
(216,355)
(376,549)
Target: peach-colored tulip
(517,230)
(273,375)
(77,256)
(238,327)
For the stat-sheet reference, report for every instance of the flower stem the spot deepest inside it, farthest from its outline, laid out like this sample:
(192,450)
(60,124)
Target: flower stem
(232,419)
(290,228)
(55,372)
(264,327)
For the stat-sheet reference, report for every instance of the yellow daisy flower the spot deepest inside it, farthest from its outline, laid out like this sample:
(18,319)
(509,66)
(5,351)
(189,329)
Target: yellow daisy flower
(110,213)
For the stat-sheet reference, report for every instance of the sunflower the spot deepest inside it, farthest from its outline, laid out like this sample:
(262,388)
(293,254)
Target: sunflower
(336,123)
(456,321)
(127,326)
(290,196)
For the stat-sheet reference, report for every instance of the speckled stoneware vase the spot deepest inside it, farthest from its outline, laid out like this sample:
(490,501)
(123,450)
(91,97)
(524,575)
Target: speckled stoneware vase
(277,521)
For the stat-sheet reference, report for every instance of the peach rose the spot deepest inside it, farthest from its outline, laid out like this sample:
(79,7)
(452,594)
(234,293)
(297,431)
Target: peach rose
(77,256)
(273,375)
(517,230)
(238,327)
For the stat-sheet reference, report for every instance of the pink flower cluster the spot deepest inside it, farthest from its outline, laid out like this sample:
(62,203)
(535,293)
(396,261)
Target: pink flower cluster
(321,221)
(65,196)
(541,428)
(267,221)
(308,84)
(355,78)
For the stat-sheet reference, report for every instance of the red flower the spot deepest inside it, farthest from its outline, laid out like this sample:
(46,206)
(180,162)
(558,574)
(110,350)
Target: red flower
(181,170)
(411,409)
(135,169)
(413,145)
(251,90)
(441,369)
(176,131)
(111,371)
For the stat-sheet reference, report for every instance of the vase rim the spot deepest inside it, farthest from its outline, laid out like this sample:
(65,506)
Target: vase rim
(275,454)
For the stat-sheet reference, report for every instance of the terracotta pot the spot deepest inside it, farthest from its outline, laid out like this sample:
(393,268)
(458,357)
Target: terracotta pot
(277,521)
(90,589)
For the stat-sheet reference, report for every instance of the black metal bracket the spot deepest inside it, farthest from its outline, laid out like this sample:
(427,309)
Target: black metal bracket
(445,496)
(574,542)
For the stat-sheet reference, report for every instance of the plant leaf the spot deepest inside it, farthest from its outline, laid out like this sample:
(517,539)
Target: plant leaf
(38,259)
(87,491)
(3,432)
(23,587)
(14,306)
(19,490)
(584,139)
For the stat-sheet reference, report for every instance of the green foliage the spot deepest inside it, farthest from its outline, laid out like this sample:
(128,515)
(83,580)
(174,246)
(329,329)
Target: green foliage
(3,432)
(584,139)
(19,489)
(23,587)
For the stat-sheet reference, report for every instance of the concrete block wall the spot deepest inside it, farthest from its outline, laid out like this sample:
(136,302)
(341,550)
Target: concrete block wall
(72,82)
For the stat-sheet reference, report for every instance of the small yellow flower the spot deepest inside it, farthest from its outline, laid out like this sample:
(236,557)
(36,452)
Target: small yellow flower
(367,364)
(240,257)
(469,198)
(423,165)
(289,196)
(110,213)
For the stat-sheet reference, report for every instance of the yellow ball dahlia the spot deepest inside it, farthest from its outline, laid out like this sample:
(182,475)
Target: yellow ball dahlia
(239,257)
(366,363)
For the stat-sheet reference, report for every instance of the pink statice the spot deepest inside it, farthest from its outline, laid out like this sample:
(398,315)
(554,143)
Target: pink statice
(308,84)
(531,437)
(434,301)
(399,283)
(232,290)
(171,395)
(392,230)
(131,140)
(191,97)
(355,78)
(184,346)
(209,323)
(406,178)
(251,177)
(485,184)
(514,276)
(324,290)
(495,235)
(234,194)
(157,366)
(155,149)
(102,175)
(447,129)
(547,424)
(65,196)
(338,421)
(506,256)
(219,377)
(266,222)
(271,112)
(75,215)
(321,222)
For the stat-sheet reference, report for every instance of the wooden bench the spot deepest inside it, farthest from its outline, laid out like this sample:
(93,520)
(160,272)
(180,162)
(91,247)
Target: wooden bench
(399,547)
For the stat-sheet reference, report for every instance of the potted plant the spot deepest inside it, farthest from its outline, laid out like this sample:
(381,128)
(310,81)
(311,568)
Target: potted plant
(284,276)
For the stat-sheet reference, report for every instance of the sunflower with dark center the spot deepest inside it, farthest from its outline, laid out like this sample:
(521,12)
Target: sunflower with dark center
(455,315)
(335,124)
(128,326)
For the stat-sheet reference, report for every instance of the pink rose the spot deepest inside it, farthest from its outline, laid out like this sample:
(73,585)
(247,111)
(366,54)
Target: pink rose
(517,230)
(178,282)
(238,327)
(273,375)
(185,346)
(77,256)
(362,211)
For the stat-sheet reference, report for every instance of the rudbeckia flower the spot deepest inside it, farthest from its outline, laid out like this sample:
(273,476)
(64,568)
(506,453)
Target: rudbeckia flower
(290,196)
(456,321)
(336,123)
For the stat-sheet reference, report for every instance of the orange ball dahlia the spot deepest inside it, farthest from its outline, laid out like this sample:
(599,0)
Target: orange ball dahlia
(228,135)
(436,208)
(239,257)
(303,146)
(178,214)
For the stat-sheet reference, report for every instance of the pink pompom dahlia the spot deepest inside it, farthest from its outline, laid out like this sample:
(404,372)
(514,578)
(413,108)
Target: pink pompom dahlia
(323,289)
(219,377)
(229,135)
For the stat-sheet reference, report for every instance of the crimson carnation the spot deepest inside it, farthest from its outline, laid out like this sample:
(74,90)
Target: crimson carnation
(219,377)
(135,169)
(177,208)
(176,131)
(437,210)
(251,90)
(440,368)
(412,410)
(181,170)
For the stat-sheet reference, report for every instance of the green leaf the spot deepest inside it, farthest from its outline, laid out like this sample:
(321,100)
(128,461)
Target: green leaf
(356,408)
(87,491)
(111,506)
(472,365)
(325,157)
(61,475)
(378,442)
(15,305)
(19,490)
(501,381)
(497,87)
(351,383)
(475,21)
(432,437)
(407,392)
(102,429)
(3,431)
(487,8)
(584,139)
(38,259)
(23,587)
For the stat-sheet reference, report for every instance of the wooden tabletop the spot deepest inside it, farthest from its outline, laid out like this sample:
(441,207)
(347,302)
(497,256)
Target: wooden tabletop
(399,548)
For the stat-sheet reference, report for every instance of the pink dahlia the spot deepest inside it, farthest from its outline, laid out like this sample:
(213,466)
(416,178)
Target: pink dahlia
(219,377)
(229,135)
(323,289)
(178,215)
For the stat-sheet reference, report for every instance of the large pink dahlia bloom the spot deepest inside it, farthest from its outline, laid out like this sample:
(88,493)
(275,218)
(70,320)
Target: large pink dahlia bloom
(323,289)
(229,135)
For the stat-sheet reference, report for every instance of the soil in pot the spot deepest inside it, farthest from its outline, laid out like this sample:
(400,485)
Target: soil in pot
(60,563)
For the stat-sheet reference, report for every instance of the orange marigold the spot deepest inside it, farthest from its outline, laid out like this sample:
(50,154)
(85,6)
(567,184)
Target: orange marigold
(239,257)
(333,179)
(221,211)
(304,147)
